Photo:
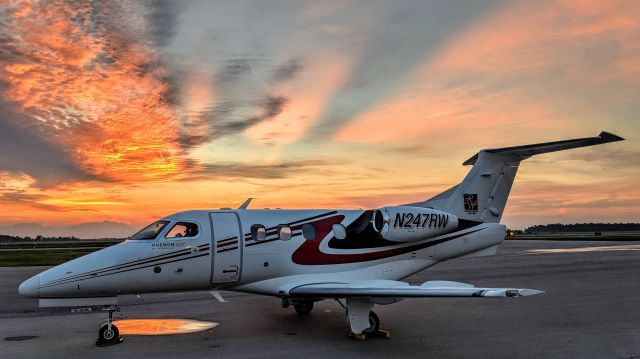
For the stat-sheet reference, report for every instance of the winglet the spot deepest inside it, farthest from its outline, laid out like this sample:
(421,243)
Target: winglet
(245,204)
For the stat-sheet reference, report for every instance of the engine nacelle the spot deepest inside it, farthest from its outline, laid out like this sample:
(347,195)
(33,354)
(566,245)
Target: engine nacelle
(408,224)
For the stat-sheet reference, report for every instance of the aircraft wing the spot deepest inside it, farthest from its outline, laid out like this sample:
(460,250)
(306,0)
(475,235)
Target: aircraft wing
(396,289)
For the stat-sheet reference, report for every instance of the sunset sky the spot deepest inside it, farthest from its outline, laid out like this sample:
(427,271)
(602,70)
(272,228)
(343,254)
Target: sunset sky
(127,111)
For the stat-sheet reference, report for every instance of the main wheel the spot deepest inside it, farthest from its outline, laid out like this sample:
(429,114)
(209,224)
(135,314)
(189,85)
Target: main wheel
(374,323)
(108,336)
(303,307)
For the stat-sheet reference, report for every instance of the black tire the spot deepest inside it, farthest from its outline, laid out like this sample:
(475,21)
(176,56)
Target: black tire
(106,336)
(303,307)
(374,322)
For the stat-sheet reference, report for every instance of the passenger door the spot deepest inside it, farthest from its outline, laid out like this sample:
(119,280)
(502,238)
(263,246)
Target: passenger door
(226,244)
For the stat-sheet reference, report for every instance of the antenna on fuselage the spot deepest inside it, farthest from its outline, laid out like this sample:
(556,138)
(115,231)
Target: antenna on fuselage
(245,204)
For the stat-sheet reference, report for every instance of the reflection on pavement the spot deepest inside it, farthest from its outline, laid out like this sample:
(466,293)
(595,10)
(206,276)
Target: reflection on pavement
(162,326)
(624,247)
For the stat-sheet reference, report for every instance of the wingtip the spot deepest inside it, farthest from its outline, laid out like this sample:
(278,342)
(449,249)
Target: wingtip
(609,137)
(527,292)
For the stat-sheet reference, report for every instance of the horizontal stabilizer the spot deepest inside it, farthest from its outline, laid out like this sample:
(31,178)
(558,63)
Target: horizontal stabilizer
(526,151)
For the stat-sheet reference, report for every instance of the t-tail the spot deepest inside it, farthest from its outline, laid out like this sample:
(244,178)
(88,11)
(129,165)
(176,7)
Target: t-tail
(483,193)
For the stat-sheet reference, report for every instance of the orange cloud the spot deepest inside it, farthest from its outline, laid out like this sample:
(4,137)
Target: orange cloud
(529,37)
(460,113)
(15,181)
(528,67)
(92,91)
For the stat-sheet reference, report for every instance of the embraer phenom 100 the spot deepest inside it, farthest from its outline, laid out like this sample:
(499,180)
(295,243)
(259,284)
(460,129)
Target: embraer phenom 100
(304,256)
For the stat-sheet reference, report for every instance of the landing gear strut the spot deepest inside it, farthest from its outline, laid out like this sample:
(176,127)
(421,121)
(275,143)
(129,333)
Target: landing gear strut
(363,321)
(303,307)
(109,333)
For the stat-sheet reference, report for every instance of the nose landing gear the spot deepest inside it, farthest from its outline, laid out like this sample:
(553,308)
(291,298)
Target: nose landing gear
(109,333)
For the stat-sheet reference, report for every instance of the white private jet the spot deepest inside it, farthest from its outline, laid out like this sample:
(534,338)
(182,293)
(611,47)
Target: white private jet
(304,256)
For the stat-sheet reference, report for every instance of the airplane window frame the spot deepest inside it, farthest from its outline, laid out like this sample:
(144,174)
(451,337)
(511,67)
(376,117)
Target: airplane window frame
(182,237)
(164,222)
(280,228)
(254,232)
(305,231)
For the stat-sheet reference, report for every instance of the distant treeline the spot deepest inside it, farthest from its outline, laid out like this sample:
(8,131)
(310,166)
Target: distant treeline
(583,227)
(7,238)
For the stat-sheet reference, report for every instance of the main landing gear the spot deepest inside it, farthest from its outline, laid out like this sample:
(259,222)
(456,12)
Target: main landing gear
(303,307)
(109,333)
(363,321)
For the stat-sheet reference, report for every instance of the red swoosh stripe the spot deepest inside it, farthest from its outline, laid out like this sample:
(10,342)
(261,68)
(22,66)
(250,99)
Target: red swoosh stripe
(309,252)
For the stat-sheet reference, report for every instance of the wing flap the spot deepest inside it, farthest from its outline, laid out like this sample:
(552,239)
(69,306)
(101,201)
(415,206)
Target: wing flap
(396,289)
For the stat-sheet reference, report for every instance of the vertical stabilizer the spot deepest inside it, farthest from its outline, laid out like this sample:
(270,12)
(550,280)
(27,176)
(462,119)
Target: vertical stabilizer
(483,193)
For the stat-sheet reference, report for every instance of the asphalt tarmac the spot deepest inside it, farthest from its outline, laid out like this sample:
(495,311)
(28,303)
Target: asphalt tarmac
(591,309)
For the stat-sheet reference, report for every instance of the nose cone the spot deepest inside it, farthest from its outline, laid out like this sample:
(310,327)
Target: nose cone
(30,288)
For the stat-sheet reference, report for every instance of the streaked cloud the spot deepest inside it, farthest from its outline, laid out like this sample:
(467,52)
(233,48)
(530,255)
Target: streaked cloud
(527,66)
(264,171)
(392,42)
(287,71)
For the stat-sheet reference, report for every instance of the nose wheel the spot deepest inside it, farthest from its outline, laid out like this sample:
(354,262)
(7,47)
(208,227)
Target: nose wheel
(109,333)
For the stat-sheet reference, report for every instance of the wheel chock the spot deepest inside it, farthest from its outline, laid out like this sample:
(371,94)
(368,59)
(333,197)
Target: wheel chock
(382,333)
(101,344)
(377,334)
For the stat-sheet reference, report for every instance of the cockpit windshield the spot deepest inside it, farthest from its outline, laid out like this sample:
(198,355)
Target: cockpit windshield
(151,231)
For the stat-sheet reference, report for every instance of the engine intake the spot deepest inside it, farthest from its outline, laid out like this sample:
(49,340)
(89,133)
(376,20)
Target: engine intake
(408,224)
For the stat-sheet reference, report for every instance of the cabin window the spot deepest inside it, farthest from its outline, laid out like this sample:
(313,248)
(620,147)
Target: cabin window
(183,230)
(339,231)
(309,231)
(258,232)
(284,233)
(151,231)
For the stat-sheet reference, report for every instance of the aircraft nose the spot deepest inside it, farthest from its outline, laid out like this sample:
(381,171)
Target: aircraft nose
(30,288)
